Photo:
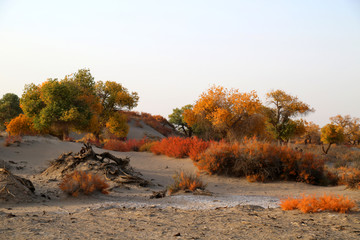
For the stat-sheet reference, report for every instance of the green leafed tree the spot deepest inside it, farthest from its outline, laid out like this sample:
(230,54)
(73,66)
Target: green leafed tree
(9,108)
(113,96)
(281,111)
(177,119)
(56,106)
(76,103)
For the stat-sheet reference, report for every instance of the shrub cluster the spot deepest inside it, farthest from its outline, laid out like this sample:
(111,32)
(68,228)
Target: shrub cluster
(21,125)
(312,204)
(91,138)
(82,182)
(179,147)
(186,182)
(260,161)
(349,176)
(124,146)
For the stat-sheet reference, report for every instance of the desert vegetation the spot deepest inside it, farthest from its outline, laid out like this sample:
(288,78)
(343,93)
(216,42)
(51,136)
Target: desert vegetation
(225,131)
(184,181)
(311,204)
(82,182)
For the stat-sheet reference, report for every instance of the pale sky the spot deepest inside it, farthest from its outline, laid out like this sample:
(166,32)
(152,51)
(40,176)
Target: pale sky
(172,51)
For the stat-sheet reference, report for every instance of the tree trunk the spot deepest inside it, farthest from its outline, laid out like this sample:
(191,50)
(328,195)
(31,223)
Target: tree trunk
(327,149)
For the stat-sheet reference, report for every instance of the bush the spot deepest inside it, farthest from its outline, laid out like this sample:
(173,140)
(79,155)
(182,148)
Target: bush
(82,182)
(179,147)
(186,182)
(124,146)
(312,204)
(349,176)
(147,146)
(21,125)
(91,138)
(259,161)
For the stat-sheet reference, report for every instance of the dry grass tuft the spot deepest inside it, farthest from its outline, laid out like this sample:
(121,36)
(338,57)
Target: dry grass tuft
(82,182)
(186,182)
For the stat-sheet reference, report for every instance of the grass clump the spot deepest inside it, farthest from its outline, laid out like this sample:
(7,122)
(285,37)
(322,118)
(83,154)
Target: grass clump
(82,182)
(186,182)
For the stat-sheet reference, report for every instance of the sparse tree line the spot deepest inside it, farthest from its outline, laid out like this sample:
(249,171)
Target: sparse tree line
(78,103)
(220,113)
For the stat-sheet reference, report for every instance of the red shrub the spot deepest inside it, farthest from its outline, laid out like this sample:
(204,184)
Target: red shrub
(197,146)
(180,147)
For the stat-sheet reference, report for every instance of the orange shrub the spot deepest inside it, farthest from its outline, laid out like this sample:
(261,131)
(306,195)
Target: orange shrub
(196,147)
(179,147)
(91,138)
(261,162)
(21,125)
(82,182)
(308,204)
(349,176)
(124,146)
(186,181)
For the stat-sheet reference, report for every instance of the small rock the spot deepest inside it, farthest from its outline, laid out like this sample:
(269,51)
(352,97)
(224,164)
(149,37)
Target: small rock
(10,215)
(177,235)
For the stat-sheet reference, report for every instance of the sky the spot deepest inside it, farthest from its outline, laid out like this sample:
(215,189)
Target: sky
(172,51)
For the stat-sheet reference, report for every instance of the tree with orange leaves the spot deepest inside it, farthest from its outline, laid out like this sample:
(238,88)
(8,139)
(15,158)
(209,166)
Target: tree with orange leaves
(282,108)
(224,110)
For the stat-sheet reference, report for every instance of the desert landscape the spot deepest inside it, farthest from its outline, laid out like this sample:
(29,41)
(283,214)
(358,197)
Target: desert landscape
(179,119)
(236,209)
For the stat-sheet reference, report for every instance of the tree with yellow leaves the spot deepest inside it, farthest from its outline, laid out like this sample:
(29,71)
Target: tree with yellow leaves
(351,127)
(331,134)
(284,107)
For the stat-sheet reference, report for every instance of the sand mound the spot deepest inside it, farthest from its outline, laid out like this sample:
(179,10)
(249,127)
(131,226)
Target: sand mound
(116,170)
(15,188)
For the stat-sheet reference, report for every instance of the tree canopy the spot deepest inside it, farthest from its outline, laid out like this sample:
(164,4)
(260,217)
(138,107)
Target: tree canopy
(177,119)
(282,108)
(224,109)
(76,102)
(331,134)
(351,127)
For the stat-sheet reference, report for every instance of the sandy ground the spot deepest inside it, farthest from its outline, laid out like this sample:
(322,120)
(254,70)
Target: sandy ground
(128,213)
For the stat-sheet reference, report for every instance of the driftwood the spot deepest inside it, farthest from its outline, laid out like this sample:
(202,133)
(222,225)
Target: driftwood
(111,167)
(15,188)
